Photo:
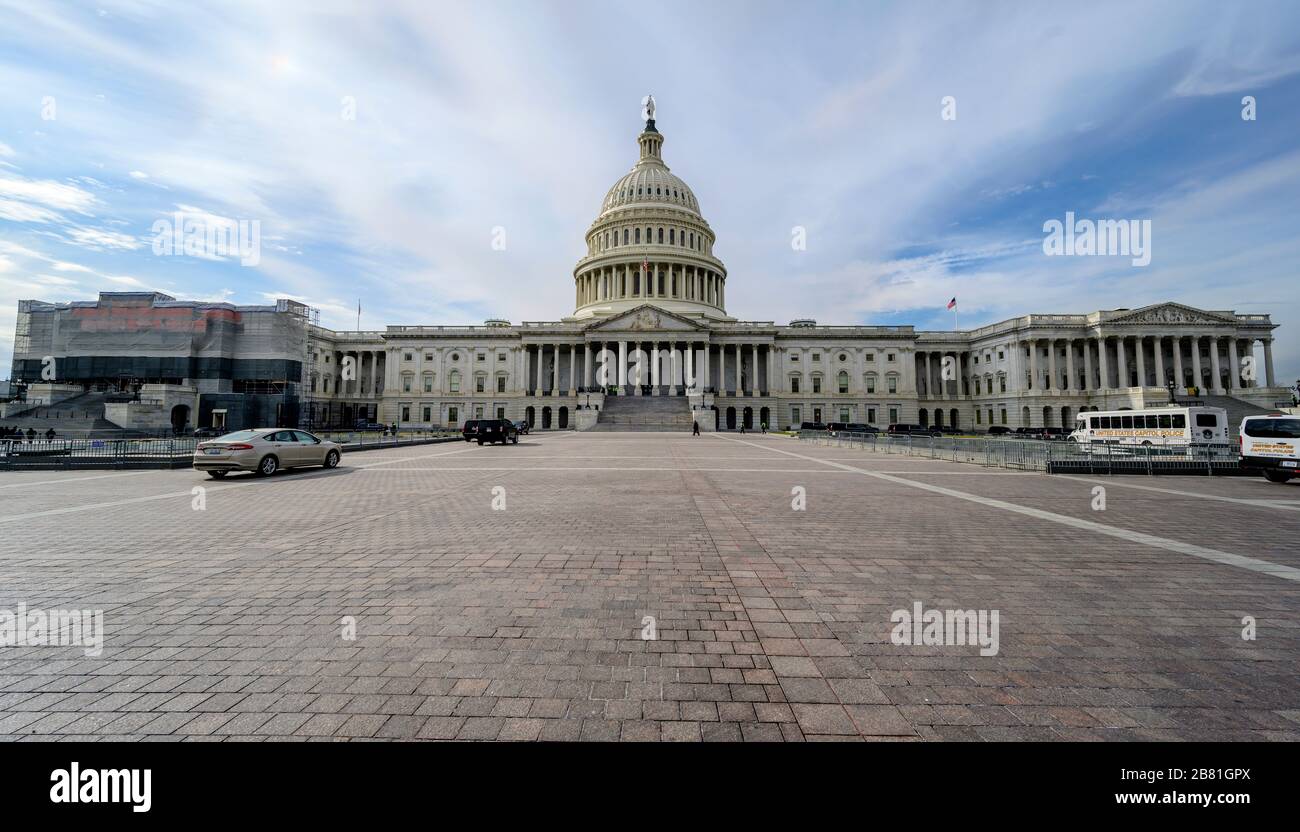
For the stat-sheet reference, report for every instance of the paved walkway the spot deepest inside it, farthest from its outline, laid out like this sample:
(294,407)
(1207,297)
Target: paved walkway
(226,612)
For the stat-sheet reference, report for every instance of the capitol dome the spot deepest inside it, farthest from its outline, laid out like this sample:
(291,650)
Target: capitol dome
(650,244)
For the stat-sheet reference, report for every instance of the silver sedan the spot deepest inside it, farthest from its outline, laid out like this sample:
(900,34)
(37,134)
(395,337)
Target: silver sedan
(265,451)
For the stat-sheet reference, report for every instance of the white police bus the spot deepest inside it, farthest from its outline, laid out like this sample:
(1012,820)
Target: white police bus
(1157,426)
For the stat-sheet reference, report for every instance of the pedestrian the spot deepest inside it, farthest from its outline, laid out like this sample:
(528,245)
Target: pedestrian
(31,435)
(695,428)
(49,434)
(742,427)
(764,425)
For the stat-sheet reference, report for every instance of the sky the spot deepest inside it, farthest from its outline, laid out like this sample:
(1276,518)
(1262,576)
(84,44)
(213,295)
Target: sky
(387,149)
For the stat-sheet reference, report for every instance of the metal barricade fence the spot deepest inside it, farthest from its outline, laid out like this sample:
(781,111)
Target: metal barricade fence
(1049,456)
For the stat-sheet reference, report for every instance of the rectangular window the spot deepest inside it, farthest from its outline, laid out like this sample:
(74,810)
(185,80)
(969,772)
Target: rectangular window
(428,384)
(893,415)
(453,416)
(871,385)
(794,415)
(479,386)
(794,384)
(871,356)
(1179,420)
(889,357)
(1004,415)
(406,385)
(428,413)
(428,356)
(893,384)
(871,415)
(406,413)
(978,419)
(501,413)
(817,384)
(407,356)
(501,384)
(1206,420)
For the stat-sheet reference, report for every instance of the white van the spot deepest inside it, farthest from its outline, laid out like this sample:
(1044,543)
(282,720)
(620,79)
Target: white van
(1269,444)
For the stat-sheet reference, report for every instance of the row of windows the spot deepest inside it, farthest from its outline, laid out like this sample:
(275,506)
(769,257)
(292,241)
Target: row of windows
(842,382)
(796,413)
(843,357)
(624,194)
(453,383)
(632,236)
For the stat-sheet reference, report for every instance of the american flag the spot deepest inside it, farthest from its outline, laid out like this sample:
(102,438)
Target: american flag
(645,264)
(952,304)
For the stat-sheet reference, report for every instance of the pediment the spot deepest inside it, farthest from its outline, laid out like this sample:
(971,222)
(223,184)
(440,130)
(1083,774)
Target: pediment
(646,318)
(1171,313)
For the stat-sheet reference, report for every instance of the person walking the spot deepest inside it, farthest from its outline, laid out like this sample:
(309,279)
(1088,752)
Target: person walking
(695,428)
(764,426)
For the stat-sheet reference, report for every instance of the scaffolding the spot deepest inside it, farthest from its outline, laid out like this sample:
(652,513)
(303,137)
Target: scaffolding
(310,317)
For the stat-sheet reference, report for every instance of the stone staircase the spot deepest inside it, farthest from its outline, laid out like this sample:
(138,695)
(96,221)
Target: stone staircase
(76,417)
(1237,410)
(644,413)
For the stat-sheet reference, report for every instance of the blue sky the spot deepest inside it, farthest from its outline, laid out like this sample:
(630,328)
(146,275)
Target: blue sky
(515,115)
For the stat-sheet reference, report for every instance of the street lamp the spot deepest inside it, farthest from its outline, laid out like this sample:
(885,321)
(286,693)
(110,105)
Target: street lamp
(1173,399)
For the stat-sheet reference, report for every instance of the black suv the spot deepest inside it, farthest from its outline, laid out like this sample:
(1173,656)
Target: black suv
(470,431)
(497,430)
(903,429)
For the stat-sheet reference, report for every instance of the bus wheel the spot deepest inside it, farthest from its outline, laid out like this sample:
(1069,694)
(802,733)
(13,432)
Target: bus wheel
(1146,444)
(1276,476)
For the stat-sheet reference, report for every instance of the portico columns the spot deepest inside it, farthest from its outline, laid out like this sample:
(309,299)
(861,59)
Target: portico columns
(654,368)
(573,369)
(1268,361)
(1159,344)
(1177,344)
(1051,365)
(621,377)
(586,362)
(538,388)
(555,371)
(1071,382)
(753,383)
(1087,364)
(1035,383)
(1139,344)
(708,364)
(1121,363)
(722,369)
(925,373)
(1196,361)
(740,360)
(1234,368)
(1102,369)
(1216,380)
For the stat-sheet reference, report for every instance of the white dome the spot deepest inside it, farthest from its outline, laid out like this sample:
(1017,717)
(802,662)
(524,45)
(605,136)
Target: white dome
(650,183)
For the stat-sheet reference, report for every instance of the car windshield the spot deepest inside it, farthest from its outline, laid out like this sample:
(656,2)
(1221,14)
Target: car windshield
(239,436)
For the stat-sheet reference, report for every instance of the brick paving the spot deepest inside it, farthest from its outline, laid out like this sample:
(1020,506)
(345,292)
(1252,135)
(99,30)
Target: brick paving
(227,623)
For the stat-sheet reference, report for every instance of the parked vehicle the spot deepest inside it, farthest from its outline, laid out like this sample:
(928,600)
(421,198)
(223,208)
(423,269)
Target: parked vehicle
(860,427)
(1271,446)
(522,426)
(265,451)
(1161,426)
(999,430)
(363,425)
(209,433)
(497,430)
(1055,434)
(470,430)
(812,426)
(905,429)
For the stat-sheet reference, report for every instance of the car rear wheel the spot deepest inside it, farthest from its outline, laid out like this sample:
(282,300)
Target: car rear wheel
(216,475)
(1277,476)
(332,459)
(268,466)
(514,440)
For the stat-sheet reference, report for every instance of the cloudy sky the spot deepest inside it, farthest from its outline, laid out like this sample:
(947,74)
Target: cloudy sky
(824,116)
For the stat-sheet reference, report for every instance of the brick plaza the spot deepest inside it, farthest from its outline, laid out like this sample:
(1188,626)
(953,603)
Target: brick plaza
(526,622)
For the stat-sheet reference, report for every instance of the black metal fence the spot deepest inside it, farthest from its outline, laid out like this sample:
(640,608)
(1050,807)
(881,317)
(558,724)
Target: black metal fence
(1048,456)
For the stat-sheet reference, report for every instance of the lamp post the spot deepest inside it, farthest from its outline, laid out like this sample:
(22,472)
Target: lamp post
(1173,399)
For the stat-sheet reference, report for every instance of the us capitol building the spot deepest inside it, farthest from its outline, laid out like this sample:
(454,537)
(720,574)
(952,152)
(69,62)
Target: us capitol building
(650,280)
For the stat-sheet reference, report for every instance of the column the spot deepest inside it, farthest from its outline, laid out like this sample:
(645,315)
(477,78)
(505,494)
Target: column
(1216,380)
(1087,364)
(722,369)
(1071,383)
(773,377)
(1250,353)
(1158,346)
(586,364)
(1121,363)
(537,369)
(1234,365)
(707,375)
(620,378)
(740,360)
(1035,382)
(1051,365)
(925,372)
(1196,361)
(1176,345)
(753,382)
(1102,368)
(1268,361)
(1139,344)
(573,369)
(654,368)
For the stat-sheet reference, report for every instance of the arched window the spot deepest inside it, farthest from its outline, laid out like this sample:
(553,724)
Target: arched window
(843,381)
(624,236)
(692,239)
(661,235)
(454,381)
(672,236)
(638,235)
